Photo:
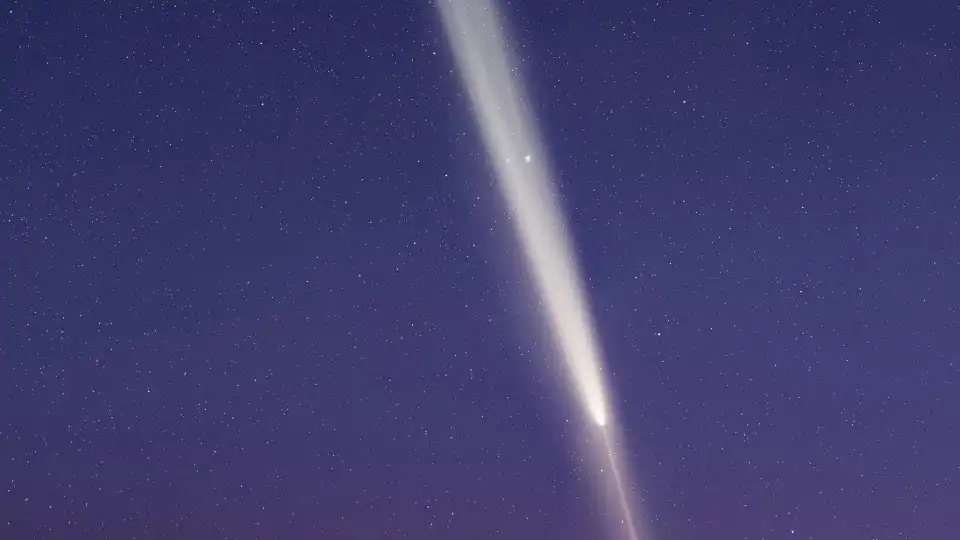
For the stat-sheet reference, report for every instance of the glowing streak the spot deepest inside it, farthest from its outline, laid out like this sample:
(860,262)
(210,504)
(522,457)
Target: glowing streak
(618,485)
(509,134)
(476,35)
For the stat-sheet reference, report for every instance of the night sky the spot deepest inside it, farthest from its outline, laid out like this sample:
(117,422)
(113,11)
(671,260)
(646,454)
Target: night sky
(257,282)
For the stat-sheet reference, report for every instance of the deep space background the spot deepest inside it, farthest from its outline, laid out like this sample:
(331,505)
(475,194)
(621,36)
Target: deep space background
(256,282)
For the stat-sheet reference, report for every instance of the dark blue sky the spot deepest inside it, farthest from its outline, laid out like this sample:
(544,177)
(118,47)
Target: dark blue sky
(256,282)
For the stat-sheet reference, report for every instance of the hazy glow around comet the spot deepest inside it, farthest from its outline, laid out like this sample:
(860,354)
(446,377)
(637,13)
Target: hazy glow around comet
(489,74)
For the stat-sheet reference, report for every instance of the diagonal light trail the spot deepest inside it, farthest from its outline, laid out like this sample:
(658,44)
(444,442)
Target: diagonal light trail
(621,494)
(475,32)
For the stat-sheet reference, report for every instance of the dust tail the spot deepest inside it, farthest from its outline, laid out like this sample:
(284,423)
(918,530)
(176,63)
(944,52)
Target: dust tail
(490,75)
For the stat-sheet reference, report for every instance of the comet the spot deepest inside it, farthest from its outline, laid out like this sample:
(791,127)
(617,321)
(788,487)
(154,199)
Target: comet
(490,75)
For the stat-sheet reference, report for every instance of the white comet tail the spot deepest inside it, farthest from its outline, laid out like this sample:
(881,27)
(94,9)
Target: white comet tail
(490,76)
(510,136)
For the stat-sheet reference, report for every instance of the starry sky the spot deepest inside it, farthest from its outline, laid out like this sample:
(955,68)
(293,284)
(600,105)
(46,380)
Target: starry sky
(256,281)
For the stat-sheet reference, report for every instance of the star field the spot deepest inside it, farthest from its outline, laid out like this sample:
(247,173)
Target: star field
(256,281)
